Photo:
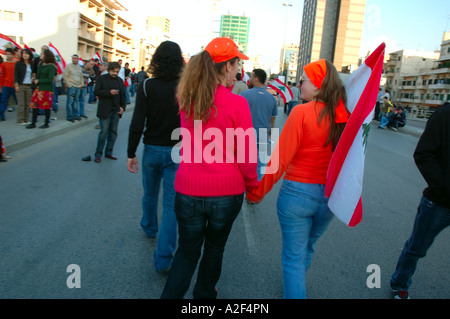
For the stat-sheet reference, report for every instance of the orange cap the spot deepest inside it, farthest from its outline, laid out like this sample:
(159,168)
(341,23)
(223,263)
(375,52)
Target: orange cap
(316,72)
(224,49)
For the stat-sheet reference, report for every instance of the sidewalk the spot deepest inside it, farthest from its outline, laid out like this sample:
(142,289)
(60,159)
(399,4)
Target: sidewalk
(16,137)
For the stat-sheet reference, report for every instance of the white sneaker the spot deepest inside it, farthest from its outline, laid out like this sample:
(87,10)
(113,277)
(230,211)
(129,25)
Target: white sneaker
(10,109)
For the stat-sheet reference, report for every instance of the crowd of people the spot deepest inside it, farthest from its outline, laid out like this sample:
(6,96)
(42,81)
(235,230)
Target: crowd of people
(30,84)
(205,183)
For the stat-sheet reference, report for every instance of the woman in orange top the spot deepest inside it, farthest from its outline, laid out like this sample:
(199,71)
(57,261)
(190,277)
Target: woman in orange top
(303,154)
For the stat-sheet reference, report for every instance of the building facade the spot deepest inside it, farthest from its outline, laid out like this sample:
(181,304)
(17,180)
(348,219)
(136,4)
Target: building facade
(331,29)
(424,84)
(236,28)
(82,27)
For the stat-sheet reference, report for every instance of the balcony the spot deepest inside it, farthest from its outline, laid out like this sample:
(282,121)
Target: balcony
(434,102)
(439,86)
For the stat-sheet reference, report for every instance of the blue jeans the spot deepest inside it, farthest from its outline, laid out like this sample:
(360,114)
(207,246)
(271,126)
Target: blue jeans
(55,98)
(262,145)
(82,100)
(107,134)
(127,94)
(7,92)
(291,106)
(72,104)
(201,220)
(430,220)
(157,165)
(90,90)
(304,216)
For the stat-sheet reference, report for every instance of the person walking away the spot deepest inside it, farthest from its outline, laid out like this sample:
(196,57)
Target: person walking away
(209,188)
(303,152)
(7,81)
(264,109)
(74,81)
(239,86)
(296,96)
(141,76)
(22,84)
(42,98)
(432,157)
(111,105)
(157,111)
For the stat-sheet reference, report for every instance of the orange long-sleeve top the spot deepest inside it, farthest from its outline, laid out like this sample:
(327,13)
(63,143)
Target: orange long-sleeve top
(7,78)
(300,152)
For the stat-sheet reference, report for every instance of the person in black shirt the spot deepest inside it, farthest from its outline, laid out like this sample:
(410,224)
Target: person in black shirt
(112,103)
(432,157)
(157,111)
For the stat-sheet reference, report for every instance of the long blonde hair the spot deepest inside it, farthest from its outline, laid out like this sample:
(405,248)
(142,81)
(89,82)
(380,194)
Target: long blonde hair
(198,84)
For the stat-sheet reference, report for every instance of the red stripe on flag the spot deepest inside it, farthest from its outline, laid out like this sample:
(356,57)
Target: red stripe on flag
(357,215)
(359,115)
(4,37)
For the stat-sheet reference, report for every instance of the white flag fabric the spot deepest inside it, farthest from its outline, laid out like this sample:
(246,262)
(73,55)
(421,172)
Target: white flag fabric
(6,42)
(60,63)
(282,89)
(346,171)
(97,56)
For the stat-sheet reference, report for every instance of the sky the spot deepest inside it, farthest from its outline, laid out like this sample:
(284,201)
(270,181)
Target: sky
(401,24)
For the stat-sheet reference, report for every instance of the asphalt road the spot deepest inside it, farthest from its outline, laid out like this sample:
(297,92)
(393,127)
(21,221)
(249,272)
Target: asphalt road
(58,211)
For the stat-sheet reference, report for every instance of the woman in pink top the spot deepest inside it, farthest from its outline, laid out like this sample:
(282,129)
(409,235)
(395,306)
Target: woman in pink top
(218,164)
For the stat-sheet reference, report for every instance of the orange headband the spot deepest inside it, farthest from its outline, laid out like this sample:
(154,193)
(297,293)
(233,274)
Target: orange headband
(316,72)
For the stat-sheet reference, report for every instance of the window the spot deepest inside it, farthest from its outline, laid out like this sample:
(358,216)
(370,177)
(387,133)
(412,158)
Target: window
(10,15)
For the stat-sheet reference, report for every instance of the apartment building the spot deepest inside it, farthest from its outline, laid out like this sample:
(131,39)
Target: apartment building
(331,29)
(428,88)
(84,27)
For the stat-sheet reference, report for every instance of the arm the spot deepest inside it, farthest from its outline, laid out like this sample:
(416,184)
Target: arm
(425,154)
(248,166)
(136,129)
(100,90)
(284,152)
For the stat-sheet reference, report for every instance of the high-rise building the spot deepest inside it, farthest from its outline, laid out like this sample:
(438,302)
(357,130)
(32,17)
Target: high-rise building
(331,29)
(236,28)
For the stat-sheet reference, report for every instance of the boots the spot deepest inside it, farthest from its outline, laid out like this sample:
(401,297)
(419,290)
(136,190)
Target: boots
(47,119)
(34,116)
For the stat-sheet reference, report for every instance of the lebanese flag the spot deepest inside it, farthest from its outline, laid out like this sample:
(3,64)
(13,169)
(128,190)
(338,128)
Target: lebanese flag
(97,56)
(6,42)
(281,89)
(60,63)
(346,171)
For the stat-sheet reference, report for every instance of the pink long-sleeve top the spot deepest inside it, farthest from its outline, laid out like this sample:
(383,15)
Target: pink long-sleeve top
(219,157)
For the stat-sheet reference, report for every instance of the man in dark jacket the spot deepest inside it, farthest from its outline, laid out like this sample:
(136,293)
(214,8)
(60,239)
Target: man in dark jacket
(110,90)
(432,157)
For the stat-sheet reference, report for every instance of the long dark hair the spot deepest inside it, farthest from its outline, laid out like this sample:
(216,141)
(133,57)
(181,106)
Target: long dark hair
(167,62)
(30,54)
(331,92)
(49,57)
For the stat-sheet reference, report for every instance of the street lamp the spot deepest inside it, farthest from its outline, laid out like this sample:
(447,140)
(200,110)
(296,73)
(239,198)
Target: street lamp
(287,5)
